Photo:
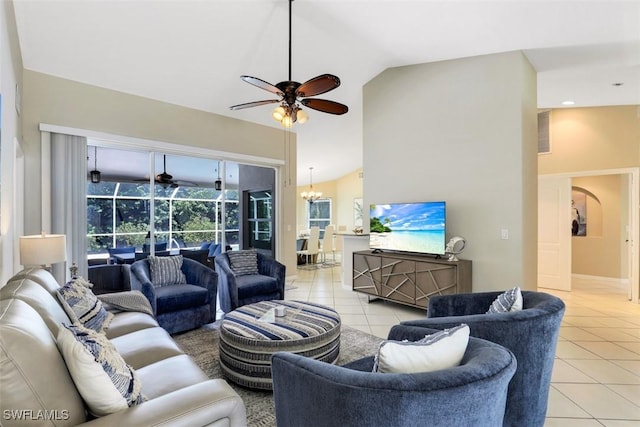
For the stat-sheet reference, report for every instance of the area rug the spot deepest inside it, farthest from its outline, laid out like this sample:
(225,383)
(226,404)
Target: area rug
(202,345)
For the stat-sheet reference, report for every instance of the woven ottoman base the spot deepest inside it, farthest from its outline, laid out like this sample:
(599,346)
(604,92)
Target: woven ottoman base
(250,335)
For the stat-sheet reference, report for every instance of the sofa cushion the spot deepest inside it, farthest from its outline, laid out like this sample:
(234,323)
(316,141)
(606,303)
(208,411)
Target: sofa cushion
(441,350)
(127,322)
(243,262)
(105,381)
(180,297)
(510,300)
(146,346)
(166,270)
(156,382)
(256,285)
(82,306)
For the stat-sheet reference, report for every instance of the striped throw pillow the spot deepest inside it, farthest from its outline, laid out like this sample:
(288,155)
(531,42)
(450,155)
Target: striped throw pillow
(244,262)
(166,270)
(506,302)
(105,381)
(82,306)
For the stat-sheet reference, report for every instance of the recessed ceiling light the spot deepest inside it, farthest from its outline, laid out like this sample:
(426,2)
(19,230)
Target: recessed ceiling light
(568,103)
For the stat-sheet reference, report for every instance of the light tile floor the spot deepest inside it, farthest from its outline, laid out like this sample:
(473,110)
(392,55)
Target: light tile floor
(596,377)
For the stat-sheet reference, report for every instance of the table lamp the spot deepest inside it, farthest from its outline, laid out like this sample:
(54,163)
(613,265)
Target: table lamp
(43,250)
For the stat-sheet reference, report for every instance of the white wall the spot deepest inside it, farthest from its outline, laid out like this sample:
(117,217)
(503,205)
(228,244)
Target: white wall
(463,131)
(10,123)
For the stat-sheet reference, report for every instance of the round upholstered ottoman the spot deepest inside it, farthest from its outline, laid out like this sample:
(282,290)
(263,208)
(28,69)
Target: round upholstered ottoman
(252,333)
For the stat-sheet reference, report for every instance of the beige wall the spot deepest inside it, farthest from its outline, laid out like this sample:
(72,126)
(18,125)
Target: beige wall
(61,102)
(465,132)
(598,253)
(589,139)
(342,193)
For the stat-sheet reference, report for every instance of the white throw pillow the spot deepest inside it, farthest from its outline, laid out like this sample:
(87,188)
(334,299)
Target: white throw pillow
(508,301)
(103,379)
(441,350)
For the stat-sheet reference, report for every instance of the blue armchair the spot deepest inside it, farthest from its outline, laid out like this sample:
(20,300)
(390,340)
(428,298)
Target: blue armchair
(236,291)
(126,250)
(108,278)
(469,395)
(179,307)
(531,334)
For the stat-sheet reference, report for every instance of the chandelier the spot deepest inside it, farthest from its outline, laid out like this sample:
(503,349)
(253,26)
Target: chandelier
(311,196)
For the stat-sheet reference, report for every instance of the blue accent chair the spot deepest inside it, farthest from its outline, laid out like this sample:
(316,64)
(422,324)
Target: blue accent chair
(469,395)
(108,278)
(236,291)
(179,307)
(158,247)
(531,334)
(120,251)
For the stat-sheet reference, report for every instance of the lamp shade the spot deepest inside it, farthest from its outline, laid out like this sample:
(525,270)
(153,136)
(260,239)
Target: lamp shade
(43,249)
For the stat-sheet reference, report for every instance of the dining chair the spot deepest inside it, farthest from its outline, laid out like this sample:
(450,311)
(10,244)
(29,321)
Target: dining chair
(313,243)
(327,245)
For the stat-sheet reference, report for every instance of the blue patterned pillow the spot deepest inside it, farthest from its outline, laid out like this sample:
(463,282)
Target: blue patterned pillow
(104,380)
(82,306)
(508,301)
(166,270)
(243,262)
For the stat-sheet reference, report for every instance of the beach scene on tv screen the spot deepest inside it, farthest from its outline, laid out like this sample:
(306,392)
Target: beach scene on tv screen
(411,227)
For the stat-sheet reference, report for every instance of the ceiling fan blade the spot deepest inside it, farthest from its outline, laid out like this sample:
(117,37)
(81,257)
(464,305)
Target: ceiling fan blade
(318,85)
(325,106)
(262,84)
(254,104)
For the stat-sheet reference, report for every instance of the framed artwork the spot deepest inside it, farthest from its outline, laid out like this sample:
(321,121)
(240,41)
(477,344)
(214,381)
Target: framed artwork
(578,213)
(357,212)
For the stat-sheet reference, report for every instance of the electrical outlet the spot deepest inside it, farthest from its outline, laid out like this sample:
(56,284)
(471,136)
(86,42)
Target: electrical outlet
(504,234)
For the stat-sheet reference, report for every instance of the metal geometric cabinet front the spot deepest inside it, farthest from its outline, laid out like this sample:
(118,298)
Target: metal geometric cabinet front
(408,279)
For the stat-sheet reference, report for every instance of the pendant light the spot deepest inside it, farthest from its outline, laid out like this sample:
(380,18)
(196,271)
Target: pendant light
(218,183)
(95,173)
(311,196)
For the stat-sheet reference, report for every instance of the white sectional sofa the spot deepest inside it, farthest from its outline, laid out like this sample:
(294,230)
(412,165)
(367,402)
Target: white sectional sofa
(36,388)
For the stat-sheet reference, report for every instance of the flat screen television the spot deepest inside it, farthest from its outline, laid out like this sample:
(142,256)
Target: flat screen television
(408,227)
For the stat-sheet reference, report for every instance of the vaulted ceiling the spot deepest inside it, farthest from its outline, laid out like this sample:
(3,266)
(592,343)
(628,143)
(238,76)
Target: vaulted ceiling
(192,52)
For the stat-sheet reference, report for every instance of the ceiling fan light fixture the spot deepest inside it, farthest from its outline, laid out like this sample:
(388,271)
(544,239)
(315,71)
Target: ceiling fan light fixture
(291,94)
(287,120)
(302,116)
(279,113)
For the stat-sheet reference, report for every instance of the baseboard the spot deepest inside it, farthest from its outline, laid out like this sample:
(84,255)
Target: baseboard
(613,280)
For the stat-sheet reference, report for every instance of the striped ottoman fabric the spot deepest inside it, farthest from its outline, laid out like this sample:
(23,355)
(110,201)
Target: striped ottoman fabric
(247,343)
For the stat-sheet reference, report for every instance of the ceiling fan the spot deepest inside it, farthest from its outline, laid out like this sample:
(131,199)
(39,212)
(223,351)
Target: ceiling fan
(292,94)
(166,180)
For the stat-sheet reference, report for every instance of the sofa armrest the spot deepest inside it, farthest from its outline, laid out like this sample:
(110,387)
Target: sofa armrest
(270,267)
(140,281)
(200,404)
(199,274)
(227,286)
